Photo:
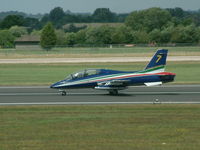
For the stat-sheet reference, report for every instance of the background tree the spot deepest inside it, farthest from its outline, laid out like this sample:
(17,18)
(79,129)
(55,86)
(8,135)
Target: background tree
(44,20)
(166,34)
(176,12)
(61,38)
(32,23)
(18,31)
(121,35)
(81,36)
(155,36)
(185,34)
(48,37)
(36,32)
(71,39)
(103,15)
(172,25)
(140,37)
(12,20)
(56,15)
(99,35)
(148,20)
(6,39)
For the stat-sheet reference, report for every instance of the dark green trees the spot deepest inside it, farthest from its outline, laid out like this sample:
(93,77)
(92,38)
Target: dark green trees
(48,37)
(12,20)
(6,39)
(103,15)
(56,16)
(149,19)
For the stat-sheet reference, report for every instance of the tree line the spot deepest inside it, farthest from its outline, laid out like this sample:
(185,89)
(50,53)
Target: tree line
(59,18)
(153,25)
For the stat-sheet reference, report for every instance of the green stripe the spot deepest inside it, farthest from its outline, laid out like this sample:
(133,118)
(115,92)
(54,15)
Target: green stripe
(152,69)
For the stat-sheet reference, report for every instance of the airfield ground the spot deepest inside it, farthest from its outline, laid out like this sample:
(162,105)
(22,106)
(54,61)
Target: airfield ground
(127,127)
(144,127)
(95,52)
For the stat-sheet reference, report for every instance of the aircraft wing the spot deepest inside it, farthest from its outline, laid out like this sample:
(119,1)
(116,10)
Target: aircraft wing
(112,84)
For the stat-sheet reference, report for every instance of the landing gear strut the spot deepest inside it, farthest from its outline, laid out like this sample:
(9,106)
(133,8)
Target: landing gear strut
(63,93)
(113,92)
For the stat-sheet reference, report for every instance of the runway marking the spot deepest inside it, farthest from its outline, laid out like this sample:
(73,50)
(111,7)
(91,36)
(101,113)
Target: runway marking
(27,94)
(24,87)
(95,103)
(140,93)
(164,92)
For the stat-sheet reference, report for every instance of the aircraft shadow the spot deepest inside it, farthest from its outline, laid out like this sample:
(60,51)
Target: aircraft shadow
(122,94)
(136,94)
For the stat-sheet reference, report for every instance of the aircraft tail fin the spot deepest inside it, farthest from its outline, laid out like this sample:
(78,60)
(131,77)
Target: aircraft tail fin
(158,61)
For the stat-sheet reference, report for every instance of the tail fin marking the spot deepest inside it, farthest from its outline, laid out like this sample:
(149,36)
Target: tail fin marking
(159,59)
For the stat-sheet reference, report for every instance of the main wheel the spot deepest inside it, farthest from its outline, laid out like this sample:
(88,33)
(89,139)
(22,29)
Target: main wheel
(113,92)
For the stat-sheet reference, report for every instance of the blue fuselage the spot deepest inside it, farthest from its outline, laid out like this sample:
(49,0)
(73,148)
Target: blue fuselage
(129,78)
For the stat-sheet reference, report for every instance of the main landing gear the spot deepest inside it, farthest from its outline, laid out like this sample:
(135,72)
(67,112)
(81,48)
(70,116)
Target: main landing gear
(113,92)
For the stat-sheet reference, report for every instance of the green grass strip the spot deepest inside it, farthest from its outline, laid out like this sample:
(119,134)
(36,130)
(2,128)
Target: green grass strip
(110,127)
(46,74)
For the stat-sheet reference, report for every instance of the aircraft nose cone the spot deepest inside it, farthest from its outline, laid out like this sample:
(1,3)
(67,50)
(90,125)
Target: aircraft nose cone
(53,85)
(59,84)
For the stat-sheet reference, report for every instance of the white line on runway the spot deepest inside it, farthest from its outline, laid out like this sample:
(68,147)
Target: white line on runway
(27,94)
(24,87)
(169,92)
(95,103)
(39,94)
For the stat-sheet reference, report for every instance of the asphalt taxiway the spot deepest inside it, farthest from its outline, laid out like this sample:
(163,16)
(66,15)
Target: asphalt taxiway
(133,95)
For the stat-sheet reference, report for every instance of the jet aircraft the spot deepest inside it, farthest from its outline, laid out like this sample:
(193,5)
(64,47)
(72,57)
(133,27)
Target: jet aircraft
(113,80)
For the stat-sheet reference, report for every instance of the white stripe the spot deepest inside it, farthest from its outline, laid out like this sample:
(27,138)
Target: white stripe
(96,103)
(158,70)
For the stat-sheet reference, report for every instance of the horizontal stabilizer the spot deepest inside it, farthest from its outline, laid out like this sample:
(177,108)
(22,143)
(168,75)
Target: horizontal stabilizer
(153,83)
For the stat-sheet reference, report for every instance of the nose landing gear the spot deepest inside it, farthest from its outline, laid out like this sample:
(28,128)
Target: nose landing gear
(63,93)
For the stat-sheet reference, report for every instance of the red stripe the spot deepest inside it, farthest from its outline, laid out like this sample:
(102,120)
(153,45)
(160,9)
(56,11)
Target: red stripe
(166,73)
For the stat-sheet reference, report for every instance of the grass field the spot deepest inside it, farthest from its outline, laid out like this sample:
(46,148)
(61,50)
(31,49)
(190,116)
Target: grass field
(96,52)
(110,127)
(46,74)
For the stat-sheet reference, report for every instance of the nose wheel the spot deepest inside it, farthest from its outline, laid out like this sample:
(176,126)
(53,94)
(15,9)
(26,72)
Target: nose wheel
(63,93)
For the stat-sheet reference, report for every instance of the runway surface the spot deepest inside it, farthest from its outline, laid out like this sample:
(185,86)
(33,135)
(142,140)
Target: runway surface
(133,95)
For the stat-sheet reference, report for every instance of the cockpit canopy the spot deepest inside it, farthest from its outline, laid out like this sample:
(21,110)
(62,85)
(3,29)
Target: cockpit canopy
(84,73)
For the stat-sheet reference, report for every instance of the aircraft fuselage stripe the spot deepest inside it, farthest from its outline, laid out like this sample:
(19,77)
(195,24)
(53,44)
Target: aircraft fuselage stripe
(104,78)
